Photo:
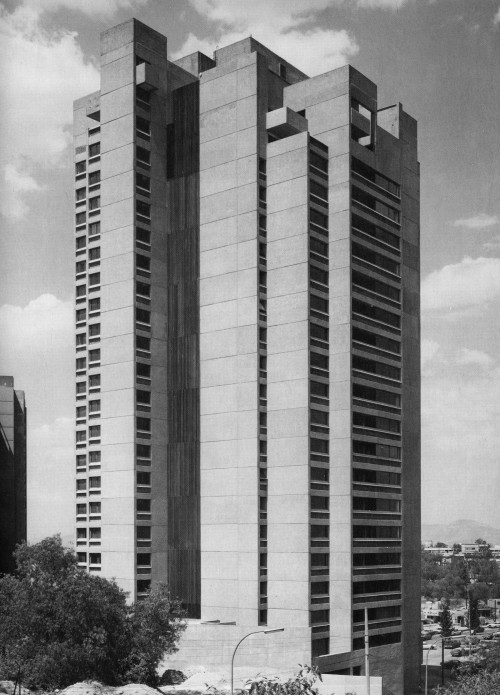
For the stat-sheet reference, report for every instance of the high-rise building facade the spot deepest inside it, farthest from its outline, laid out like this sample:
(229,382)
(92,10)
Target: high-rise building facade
(12,471)
(247,345)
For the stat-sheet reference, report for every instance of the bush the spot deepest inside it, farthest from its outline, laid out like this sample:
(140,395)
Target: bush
(59,625)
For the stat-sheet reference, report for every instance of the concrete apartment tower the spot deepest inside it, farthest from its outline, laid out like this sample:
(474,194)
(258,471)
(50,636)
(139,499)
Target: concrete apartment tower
(12,471)
(247,349)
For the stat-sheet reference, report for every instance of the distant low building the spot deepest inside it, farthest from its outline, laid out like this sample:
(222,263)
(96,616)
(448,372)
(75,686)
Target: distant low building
(12,471)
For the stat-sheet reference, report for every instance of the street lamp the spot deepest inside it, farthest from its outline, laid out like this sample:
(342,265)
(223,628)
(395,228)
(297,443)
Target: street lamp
(427,660)
(256,632)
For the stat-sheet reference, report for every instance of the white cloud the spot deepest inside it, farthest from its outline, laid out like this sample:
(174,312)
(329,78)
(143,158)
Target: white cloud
(51,466)
(496,18)
(382,4)
(15,184)
(92,8)
(37,348)
(463,285)
(474,358)
(479,221)
(285,26)
(493,244)
(428,351)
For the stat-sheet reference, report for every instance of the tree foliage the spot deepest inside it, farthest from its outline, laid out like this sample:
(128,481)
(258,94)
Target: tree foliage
(450,577)
(446,620)
(59,624)
(481,683)
(302,683)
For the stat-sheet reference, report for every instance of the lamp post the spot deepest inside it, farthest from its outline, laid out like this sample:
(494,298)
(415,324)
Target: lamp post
(427,660)
(256,632)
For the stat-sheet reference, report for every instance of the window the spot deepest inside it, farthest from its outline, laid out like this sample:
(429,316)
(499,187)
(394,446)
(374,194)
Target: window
(94,431)
(95,482)
(319,389)
(81,243)
(94,406)
(362,169)
(377,395)
(143,262)
(373,285)
(94,380)
(81,509)
(143,505)
(262,196)
(94,149)
(143,156)
(81,533)
(81,290)
(374,532)
(80,194)
(375,422)
(143,209)
(142,94)
(144,397)
(376,504)
(319,304)
(379,341)
(80,168)
(81,387)
(143,182)
(94,355)
(95,558)
(318,247)
(319,417)
(143,532)
(94,228)
(319,361)
(318,191)
(95,457)
(143,289)
(95,507)
(378,368)
(376,313)
(373,449)
(319,446)
(143,424)
(143,125)
(319,332)
(143,478)
(143,343)
(144,559)
(143,235)
(81,339)
(318,218)
(81,485)
(143,451)
(80,267)
(95,203)
(94,178)
(320,560)
(143,370)
(81,412)
(94,304)
(81,218)
(81,557)
(316,160)
(320,532)
(95,533)
(319,503)
(143,316)
(80,315)
(95,253)
(81,363)
(143,586)
(318,275)
(81,460)
(94,279)
(374,559)
(94,329)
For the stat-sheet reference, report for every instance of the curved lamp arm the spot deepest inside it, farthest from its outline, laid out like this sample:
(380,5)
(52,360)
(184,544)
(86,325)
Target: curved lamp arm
(255,632)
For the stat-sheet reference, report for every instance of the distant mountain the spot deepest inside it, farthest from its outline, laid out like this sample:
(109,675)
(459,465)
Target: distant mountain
(461,531)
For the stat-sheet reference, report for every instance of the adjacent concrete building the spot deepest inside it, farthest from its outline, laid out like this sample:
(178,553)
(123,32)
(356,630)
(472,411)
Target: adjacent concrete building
(12,471)
(247,347)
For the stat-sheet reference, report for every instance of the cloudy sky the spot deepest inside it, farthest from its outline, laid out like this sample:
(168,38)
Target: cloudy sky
(440,58)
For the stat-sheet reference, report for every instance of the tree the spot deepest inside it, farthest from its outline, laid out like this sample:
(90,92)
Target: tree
(156,626)
(58,624)
(457,548)
(481,683)
(473,617)
(446,620)
(440,544)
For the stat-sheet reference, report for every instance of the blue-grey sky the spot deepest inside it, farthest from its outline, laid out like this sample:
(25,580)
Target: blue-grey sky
(440,58)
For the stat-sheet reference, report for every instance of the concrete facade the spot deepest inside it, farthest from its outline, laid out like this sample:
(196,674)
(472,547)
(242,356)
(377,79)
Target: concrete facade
(259,347)
(13,516)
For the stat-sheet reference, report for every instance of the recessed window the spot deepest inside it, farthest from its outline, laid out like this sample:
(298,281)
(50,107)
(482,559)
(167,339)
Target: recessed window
(143,505)
(95,203)
(143,156)
(143,316)
(81,460)
(144,532)
(143,478)
(143,343)
(94,558)
(80,315)
(143,424)
(94,279)
(81,412)
(143,451)
(94,431)
(143,586)
(144,559)
(143,289)
(80,194)
(94,406)
(143,182)
(81,533)
(94,355)
(94,149)
(143,370)
(94,380)
(95,507)
(95,533)
(81,387)
(80,267)
(81,485)
(80,168)
(143,397)
(81,509)
(81,363)
(81,339)
(80,218)
(143,125)
(94,178)
(142,94)
(143,209)
(143,235)
(95,457)
(94,330)
(94,304)
(81,557)
(95,253)
(81,243)
(95,482)
(94,228)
